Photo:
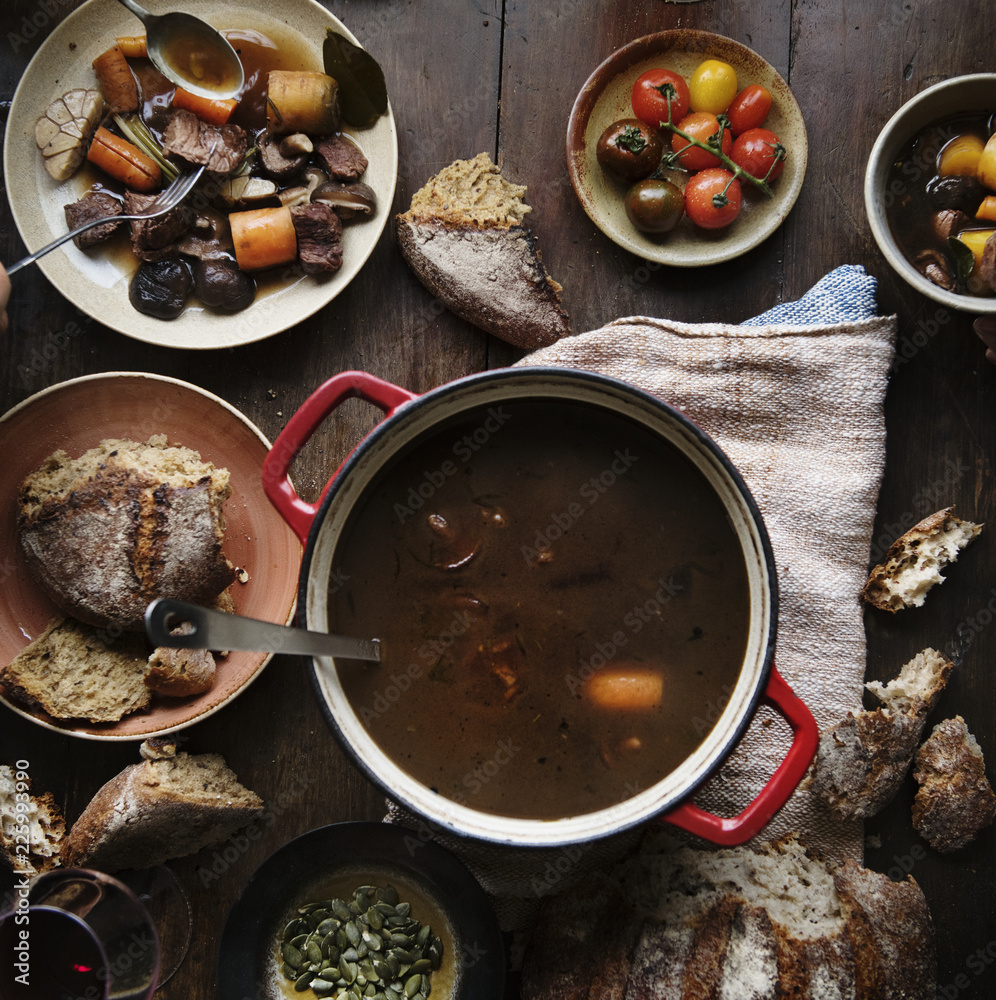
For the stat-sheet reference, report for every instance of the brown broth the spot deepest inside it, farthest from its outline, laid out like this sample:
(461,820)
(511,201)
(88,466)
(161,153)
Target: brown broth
(575,543)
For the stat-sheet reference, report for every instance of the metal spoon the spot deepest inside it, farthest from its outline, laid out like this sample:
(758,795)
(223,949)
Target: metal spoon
(220,630)
(191,53)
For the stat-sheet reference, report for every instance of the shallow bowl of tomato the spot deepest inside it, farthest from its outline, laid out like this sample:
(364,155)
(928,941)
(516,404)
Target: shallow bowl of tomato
(606,97)
(900,193)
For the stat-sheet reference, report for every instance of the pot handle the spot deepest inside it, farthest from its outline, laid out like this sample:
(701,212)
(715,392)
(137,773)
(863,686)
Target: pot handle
(739,829)
(276,479)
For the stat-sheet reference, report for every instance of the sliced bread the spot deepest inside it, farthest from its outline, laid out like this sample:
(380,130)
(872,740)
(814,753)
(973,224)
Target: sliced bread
(913,564)
(955,800)
(464,238)
(73,671)
(862,760)
(122,524)
(162,808)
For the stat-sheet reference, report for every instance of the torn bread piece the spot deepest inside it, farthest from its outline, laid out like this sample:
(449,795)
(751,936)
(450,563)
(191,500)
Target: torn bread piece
(955,800)
(31,829)
(162,808)
(465,239)
(862,760)
(914,561)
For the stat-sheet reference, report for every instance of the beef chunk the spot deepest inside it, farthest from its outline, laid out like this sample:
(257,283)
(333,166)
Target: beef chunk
(93,205)
(156,238)
(343,159)
(987,266)
(284,156)
(190,139)
(319,238)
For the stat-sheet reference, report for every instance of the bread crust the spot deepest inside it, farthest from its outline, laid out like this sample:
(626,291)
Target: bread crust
(955,800)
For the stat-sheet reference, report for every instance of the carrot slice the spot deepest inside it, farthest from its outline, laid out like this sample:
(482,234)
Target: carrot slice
(625,689)
(133,46)
(124,161)
(116,80)
(263,237)
(208,109)
(987,210)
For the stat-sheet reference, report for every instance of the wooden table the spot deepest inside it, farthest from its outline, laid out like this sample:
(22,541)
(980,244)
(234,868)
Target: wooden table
(501,77)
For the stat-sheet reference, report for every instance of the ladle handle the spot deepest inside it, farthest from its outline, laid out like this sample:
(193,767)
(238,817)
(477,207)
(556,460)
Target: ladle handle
(219,630)
(299,514)
(739,829)
(140,12)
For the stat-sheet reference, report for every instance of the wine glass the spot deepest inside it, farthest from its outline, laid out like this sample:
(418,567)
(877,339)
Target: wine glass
(76,934)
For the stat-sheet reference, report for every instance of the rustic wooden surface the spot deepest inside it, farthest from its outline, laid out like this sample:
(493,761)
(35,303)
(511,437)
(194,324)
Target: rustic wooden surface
(501,76)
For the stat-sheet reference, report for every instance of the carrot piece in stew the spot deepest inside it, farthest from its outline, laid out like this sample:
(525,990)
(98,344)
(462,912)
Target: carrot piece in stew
(124,161)
(116,80)
(133,46)
(208,109)
(625,688)
(263,237)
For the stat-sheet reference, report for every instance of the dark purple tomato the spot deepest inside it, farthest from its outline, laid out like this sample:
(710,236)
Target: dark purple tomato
(629,149)
(654,206)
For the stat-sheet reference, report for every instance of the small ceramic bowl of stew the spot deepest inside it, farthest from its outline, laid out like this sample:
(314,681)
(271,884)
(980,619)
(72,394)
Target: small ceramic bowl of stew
(930,192)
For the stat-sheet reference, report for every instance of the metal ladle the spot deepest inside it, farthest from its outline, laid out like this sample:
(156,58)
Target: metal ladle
(220,630)
(191,53)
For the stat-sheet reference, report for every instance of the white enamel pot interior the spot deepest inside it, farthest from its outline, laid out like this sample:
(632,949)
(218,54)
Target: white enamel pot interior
(417,416)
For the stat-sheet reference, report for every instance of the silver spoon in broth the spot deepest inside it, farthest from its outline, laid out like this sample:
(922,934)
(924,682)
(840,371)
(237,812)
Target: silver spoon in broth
(191,53)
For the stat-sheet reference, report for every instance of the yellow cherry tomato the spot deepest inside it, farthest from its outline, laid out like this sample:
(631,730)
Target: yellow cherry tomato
(712,86)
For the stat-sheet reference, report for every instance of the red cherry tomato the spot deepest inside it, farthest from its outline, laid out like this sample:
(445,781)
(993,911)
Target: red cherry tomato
(650,97)
(712,198)
(757,152)
(749,109)
(700,125)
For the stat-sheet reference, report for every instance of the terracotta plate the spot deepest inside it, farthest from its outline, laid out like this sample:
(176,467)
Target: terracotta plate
(97,280)
(605,98)
(126,404)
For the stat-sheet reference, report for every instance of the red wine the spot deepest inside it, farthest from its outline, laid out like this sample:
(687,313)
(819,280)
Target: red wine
(49,955)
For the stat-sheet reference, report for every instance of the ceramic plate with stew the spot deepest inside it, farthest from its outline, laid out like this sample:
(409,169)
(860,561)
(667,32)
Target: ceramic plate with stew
(605,98)
(134,405)
(97,280)
(331,863)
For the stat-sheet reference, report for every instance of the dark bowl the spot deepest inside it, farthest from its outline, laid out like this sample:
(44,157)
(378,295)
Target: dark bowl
(318,863)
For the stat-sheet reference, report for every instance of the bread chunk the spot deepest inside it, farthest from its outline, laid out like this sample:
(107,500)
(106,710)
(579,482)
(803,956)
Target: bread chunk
(30,832)
(73,671)
(862,760)
(465,240)
(914,561)
(158,810)
(955,800)
(123,524)
(763,922)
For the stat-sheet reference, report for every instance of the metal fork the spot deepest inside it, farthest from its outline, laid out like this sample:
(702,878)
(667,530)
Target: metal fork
(167,200)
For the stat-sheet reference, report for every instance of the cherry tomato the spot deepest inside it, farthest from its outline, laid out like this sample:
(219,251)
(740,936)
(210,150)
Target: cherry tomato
(749,109)
(629,149)
(712,198)
(700,125)
(650,97)
(654,206)
(712,86)
(757,152)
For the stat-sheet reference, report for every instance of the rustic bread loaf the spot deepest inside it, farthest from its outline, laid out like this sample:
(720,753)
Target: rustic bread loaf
(464,238)
(31,828)
(955,800)
(760,922)
(122,524)
(179,673)
(862,760)
(914,561)
(162,808)
(73,671)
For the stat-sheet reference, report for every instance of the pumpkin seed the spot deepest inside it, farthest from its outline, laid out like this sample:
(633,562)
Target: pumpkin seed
(323,987)
(374,918)
(303,981)
(388,894)
(373,941)
(353,932)
(412,985)
(294,928)
(341,909)
(291,955)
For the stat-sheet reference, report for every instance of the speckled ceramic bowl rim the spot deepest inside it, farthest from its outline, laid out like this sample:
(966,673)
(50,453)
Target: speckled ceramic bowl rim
(930,105)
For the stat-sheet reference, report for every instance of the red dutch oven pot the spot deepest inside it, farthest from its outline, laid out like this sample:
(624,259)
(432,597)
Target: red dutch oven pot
(407,417)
